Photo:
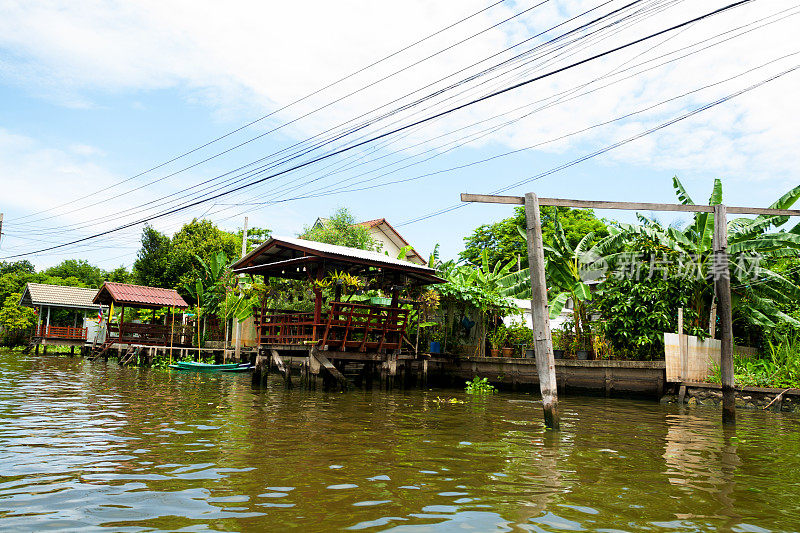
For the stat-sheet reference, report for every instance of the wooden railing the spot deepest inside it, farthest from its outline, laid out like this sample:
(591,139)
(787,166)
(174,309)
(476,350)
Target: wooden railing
(61,332)
(152,334)
(347,326)
(364,327)
(287,327)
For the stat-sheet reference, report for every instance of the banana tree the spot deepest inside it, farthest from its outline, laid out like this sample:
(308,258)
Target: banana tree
(756,290)
(487,289)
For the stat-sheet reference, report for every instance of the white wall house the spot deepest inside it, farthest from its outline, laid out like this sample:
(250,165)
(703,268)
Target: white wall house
(388,237)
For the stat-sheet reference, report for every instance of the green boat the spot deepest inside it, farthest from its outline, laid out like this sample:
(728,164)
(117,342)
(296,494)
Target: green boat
(208,367)
(192,364)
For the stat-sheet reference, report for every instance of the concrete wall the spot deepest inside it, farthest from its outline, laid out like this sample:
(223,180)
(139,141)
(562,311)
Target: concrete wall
(621,378)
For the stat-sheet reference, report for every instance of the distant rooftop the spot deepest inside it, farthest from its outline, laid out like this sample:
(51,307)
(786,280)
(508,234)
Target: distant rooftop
(138,296)
(36,294)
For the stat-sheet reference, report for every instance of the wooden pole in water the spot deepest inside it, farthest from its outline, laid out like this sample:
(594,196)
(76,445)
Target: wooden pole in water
(543,343)
(722,280)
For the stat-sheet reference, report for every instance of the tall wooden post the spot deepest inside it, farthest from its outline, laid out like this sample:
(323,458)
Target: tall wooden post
(237,350)
(722,281)
(543,342)
(320,275)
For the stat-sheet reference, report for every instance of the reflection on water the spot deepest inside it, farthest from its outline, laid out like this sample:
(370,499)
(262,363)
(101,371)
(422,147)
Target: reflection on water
(87,446)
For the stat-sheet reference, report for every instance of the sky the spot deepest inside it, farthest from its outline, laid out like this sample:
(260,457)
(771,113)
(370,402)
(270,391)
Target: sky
(108,111)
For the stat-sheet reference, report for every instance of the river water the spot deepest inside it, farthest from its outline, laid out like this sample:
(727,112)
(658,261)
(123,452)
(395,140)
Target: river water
(87,446)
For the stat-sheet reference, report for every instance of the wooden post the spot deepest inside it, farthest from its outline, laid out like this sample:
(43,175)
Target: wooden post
(543,342)
(712,319)
(722,280)
(320,275)
(171,335)
(237,350)
(121,323)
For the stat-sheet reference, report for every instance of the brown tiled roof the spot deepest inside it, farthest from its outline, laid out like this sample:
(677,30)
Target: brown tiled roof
(36,294)
(372,223)
(139,295)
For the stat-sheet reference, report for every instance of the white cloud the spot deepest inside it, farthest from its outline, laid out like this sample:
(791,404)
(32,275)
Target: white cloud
(245,58)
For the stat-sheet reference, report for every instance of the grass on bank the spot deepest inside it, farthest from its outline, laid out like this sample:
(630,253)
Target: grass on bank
(780,368)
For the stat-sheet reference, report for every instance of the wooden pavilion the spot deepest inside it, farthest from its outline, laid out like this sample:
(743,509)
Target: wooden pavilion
(346,332)
(129,334)
(60,313)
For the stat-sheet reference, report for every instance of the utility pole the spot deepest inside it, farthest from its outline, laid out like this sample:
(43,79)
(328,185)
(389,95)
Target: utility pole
(722,283)
(542,338)
(1,228)
(238,337)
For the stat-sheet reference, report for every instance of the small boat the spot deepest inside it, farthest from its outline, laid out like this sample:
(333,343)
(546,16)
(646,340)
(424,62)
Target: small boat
(241,368)
(208,367)
(193,364)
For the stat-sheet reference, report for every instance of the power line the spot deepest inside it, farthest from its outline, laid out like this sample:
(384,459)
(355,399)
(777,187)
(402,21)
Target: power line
(427,119)
(283,108)
(285,159)
(609,147)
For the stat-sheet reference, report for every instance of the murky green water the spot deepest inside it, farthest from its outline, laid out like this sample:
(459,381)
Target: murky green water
(87,446)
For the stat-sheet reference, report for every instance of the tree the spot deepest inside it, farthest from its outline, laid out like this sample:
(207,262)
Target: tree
(15,320)
(758,292)
(17,267)
(119,275)
(341,229)
(152,260)
(504,242)
(568,269)
(198,239)
(87,274)
(255,238)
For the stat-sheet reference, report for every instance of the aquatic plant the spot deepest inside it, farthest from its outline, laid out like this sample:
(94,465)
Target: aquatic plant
(479,386)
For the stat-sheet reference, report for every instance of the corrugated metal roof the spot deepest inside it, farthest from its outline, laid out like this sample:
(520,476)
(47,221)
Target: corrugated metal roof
(141,295)
(343,251)
(58,296)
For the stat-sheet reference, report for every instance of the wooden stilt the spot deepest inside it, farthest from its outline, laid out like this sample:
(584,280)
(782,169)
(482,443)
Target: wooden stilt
(282,367)
(543,344)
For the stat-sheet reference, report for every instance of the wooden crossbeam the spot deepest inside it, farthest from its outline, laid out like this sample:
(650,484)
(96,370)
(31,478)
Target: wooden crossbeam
(633,206)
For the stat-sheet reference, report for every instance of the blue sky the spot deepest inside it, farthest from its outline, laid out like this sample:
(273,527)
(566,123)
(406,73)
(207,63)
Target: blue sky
(89,97)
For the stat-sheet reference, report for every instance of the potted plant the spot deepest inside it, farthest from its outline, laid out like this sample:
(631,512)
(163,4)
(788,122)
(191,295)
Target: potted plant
(558,343)
(437,336)
(512,340)
(497,339)
(527,342)
(579,348)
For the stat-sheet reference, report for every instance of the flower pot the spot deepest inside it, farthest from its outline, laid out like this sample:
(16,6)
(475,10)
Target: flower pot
(583,355)
(529,354)
(436,347)
(494,352)
(508,352)
(558,354)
